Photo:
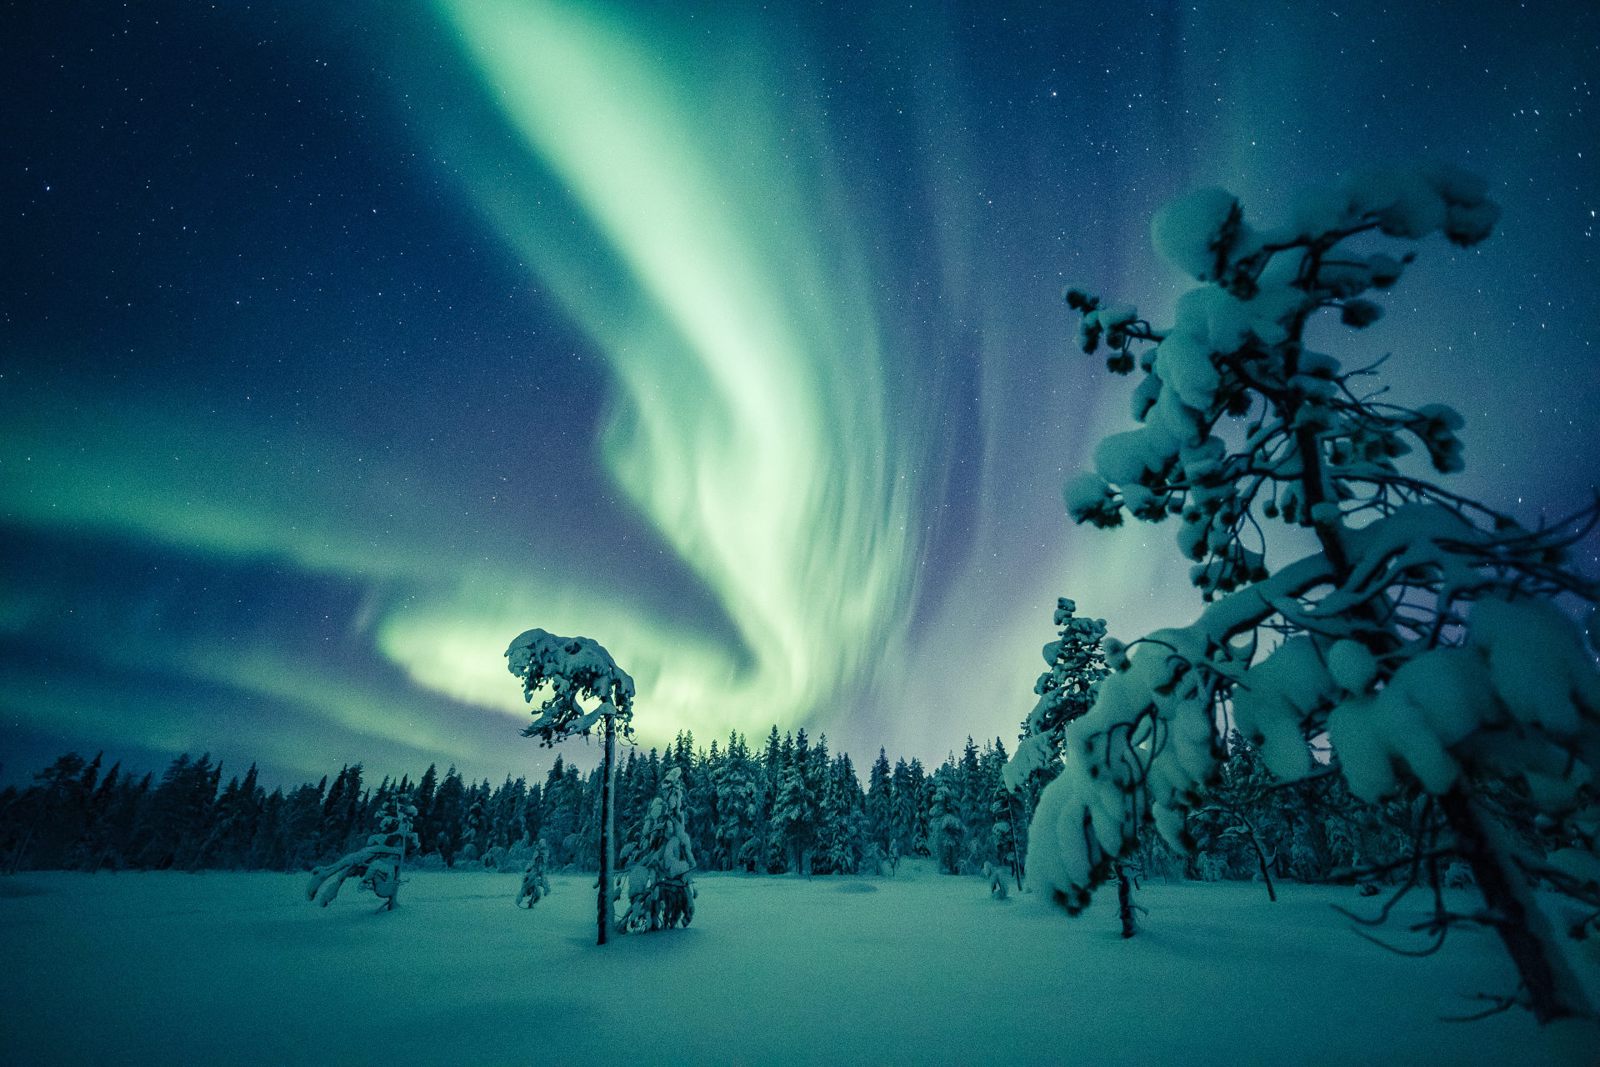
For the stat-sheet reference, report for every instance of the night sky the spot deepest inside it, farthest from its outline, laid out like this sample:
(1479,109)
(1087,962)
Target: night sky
(339,343)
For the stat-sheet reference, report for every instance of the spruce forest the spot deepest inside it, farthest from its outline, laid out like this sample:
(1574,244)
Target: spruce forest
(788,807)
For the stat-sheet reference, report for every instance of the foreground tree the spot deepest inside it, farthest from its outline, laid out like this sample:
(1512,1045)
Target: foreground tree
(377,864)
(660,892)
(574,669)
(1420,633)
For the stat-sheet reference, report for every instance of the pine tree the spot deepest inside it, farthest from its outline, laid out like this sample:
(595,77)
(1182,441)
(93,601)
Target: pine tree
(575,668)
(1003,809)
(477,824)
(903,802)
(302,818)
(945,831)
(880,802)
(738,808)
(424,804)
(1075,664)
(794,815)
(449,817)
(660,890)
(1428,636)
(842,821)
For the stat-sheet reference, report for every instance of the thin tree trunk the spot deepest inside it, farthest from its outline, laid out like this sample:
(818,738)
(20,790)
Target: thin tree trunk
(1125,901)
(1016,848)
(607,804)
(1261,858)
(1553,989)
(400,860)
(18,853)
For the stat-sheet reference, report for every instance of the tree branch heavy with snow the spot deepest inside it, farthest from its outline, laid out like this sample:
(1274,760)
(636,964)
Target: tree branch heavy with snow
(1427,637)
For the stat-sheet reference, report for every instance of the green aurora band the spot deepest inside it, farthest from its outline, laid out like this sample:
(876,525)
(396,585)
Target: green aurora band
(752,423)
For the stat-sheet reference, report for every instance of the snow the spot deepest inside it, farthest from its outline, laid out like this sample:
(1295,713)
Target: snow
(1352,666)
(1087,495)
(918,968)
(1275,699)
(1197,230)
(1537,664)
(571,667)
(1125,458)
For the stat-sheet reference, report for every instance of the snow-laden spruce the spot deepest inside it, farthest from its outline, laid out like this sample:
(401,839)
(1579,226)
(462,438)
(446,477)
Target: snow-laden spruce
(659,889)
(535,879)
(377,864)
(1074,666)
(574,669)
(1425,636)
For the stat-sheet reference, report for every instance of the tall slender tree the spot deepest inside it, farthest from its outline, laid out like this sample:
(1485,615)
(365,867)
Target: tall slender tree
(574,669)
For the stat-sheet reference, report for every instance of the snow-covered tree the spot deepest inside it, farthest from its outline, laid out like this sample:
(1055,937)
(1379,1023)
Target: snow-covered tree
(1075,663)
(736,784)
(880,802)
(842,823)
(1424,635)
(794,815)
(905,799)
(574,669)
(1239,812)
(660,891)
(945,832)
(1003,807)
(377,864)
(535,879)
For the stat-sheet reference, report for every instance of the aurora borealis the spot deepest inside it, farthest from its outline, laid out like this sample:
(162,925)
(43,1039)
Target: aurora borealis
(341,343)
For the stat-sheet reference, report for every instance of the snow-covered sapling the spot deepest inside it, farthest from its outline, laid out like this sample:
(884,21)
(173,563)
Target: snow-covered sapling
(660,891)
(997,874)
(1427,638)
(535,882)
(377,864)
(574,669)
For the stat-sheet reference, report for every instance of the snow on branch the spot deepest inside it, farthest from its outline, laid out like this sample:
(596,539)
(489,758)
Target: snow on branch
(1429,638)
(572,669)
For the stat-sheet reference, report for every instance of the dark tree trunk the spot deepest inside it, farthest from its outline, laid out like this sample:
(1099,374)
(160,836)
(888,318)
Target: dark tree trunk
(1261,859)
(1553,990)
(608,785)
(1125,901)
(1016,842)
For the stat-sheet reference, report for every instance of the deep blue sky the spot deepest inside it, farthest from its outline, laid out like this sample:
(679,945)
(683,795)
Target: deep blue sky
(335,349)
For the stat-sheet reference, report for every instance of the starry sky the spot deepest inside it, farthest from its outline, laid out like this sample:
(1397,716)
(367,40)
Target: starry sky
(339,343)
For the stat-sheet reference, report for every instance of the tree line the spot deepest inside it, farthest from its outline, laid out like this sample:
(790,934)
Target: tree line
(788,806)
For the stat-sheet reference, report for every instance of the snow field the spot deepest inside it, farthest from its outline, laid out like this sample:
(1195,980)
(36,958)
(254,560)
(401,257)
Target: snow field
(921,968)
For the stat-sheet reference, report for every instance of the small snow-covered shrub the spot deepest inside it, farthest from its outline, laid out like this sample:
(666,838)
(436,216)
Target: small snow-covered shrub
(377,864)
(997,875)
(535,883)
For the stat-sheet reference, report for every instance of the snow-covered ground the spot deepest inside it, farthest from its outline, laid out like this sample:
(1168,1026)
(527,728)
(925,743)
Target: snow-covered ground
(238,968)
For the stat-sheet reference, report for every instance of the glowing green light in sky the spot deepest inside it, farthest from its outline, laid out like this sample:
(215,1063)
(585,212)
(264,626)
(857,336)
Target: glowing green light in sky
(752,429)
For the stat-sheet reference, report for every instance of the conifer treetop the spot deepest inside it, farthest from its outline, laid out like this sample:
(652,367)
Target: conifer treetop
(571,669)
